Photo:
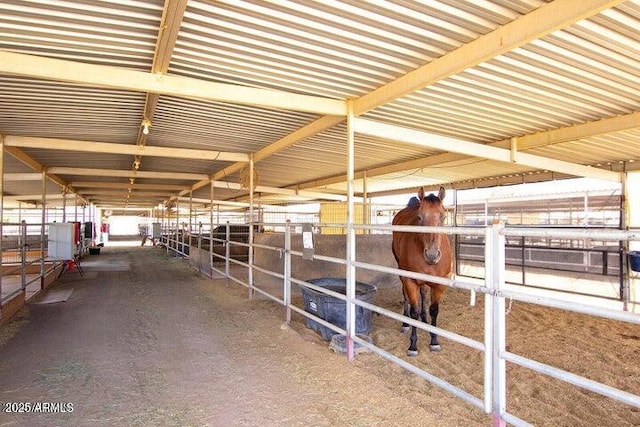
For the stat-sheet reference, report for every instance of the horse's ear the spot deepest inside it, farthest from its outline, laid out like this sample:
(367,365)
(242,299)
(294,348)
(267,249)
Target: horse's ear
(421,193)
(441,194)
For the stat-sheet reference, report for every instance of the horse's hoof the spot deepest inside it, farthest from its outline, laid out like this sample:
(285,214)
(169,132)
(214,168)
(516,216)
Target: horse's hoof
(412,353)
(435,348)
(404,329)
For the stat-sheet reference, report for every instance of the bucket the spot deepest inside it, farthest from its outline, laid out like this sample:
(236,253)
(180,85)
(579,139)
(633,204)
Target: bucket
(634,260)
(334,310)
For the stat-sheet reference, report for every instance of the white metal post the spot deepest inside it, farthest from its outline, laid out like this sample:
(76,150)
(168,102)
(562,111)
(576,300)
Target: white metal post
(624,275)
(1,209)
(227,250)
(64,204)
(250,260)
(199,247)
(23,255)
(366,207)
(178,228)
(211,194)
(42,230)
(190,228)
(494,277)
(287,269)
(351,241)
(488,323)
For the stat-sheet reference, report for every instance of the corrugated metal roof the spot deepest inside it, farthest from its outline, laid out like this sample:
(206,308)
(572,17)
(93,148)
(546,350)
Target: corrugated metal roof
(569,90)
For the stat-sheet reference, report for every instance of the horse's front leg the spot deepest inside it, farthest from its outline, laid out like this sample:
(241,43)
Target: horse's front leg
(434,345)
(405,309)
(423,305)
(411,301)
(405,325)
(436,293)
(413,340)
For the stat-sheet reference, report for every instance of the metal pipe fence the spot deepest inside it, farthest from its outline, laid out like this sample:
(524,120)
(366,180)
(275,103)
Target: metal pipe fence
(493,346)
(23,246)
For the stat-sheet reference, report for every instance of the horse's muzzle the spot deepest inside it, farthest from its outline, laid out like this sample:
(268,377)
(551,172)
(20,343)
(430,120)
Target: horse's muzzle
(432,255)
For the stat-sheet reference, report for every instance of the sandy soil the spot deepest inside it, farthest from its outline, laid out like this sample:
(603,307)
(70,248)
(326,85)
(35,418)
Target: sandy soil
(162,345)
(598,349)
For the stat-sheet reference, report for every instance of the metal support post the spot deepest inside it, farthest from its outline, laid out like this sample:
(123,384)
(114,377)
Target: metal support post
(351,239)
(227,249)
(287,270)
(23,255)
(494,279)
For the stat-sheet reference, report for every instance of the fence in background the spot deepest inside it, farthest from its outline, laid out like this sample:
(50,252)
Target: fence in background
(24,269)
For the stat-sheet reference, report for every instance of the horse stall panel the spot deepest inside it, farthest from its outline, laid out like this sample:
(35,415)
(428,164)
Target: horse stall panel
(373,248)
(603,260)
(199,259)
(237,233)
(11,307)
(156,230)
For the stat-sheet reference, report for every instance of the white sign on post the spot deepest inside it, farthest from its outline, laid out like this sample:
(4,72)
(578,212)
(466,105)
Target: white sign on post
(307,241)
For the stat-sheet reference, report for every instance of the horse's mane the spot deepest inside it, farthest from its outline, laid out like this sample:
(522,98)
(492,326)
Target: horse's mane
(432,198)
(409,215)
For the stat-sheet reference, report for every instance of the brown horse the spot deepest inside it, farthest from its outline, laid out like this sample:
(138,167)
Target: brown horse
(428,253)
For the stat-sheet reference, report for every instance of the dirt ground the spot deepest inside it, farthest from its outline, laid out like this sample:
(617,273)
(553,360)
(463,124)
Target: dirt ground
(598,349)
(158,344)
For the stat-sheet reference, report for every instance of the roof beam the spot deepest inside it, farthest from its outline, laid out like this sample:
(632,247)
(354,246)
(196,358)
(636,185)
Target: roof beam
(126,185)
(306,131)
(580,131)
(139,81)
(126,173)
(526,142)
(550,17)
(33,197)
(24,158)
(104,147)
(172,16)
(33,164)
(443,143)
(120,191)
(28,176)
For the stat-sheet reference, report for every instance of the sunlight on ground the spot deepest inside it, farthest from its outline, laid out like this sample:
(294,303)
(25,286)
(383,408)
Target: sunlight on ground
(123,243)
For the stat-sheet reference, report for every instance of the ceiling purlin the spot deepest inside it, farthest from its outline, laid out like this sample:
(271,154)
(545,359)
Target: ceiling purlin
(180,176)
(99,184)
(105,147)
(534,25)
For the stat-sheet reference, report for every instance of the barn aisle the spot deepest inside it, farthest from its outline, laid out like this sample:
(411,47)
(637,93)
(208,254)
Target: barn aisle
(143,339)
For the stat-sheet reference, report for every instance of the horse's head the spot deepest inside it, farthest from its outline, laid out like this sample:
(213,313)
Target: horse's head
(431,213)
